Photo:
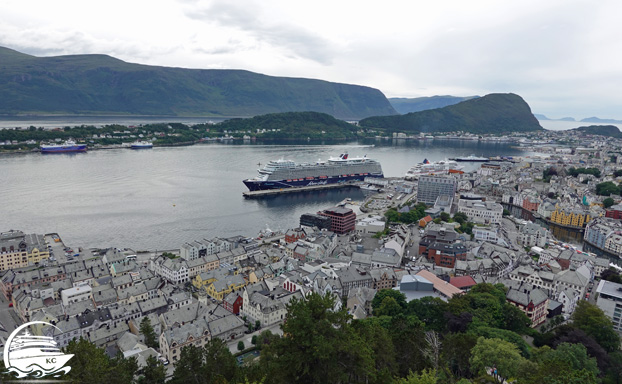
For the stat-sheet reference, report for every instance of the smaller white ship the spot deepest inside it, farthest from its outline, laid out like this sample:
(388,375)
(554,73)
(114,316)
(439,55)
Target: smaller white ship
(471,158)
(442,167)
(141,145)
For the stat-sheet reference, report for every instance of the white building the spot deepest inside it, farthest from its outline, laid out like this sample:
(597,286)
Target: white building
(76,294)
(487,233)
(531,235)
(610,301)
(481,211)
(174,270)
(372,224)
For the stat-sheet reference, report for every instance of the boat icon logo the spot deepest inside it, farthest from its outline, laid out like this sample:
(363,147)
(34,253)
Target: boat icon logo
(33,356)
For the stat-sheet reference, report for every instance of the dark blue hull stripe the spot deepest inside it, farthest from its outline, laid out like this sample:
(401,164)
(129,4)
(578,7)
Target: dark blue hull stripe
(254,185)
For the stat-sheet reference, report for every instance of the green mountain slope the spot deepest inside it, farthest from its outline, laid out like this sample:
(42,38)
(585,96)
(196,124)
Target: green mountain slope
(100,84)
(293,125)
(417,104)
(603,130)
(494,113)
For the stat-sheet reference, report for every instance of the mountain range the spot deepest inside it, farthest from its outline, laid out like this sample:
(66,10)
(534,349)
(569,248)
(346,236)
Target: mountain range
(493,113)
(103,85)
(418,104)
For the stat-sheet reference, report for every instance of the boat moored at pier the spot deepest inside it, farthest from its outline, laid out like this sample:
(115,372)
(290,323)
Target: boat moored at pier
(68,146)
(282,173)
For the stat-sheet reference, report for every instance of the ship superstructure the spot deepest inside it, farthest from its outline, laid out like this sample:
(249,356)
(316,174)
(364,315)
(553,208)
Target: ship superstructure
(442,167)
(68,146)
(286,173)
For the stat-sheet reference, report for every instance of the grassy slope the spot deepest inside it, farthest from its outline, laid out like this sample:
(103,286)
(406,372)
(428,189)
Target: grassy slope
(494,113)
(603,130)
(298,125)
(99,84)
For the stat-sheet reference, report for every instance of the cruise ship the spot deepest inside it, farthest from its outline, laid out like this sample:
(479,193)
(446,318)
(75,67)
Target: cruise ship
(442,167)
(67,146)
(28,353)
(286,173)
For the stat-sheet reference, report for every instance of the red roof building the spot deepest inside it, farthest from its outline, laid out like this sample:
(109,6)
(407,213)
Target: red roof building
(463,282)
(342,220)
(233,303)
(423,222)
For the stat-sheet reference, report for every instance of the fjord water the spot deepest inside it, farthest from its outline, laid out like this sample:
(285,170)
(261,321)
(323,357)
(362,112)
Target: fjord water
(163,197)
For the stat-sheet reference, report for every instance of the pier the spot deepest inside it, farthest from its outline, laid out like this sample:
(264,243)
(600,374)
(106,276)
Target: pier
(275,192)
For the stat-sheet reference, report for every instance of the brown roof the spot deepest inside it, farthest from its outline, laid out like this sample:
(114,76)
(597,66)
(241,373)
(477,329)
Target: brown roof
(441,286)
(462,281)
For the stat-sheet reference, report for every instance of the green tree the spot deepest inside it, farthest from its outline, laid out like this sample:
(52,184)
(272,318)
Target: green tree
(240,345)
(612,275)
(399,297)
(380,342)
(607,188)
(445,216)
(219,365)
(153,373)
(407,334)
(431,311)
(608,202)
(457,351)
(496,354)
(514,319)
(564,362)
(122,370)
(257,324)
(593,321)
(189,367)
(388,307)
(151,340)
(266,338)
(460,217)
(319,346)
(254,340)
(503,334)
(91,365)
(427,376)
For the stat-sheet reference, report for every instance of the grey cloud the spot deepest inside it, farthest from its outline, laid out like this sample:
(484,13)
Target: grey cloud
(299,41)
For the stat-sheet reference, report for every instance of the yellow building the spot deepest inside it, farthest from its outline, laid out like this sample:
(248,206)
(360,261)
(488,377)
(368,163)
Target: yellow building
(18,250)
(570,217)
(203,279)
(220,288)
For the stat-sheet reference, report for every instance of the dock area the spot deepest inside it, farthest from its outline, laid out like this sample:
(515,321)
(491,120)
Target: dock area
(274,192)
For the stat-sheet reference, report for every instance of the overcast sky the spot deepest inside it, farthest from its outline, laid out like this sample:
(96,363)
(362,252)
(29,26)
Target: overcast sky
(563,57)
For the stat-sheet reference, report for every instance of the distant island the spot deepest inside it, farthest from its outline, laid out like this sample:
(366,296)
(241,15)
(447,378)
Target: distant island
(603,130)
(543,117)
(103,85)
(418,104)
(292,125)
(494,113)
(274,126)
(601,121)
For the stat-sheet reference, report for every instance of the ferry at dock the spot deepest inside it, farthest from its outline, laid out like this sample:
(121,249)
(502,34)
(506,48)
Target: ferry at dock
(287,174)
(141,145)
(67,146)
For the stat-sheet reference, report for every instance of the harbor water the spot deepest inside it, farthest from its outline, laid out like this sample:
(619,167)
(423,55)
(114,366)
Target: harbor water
(162,197)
